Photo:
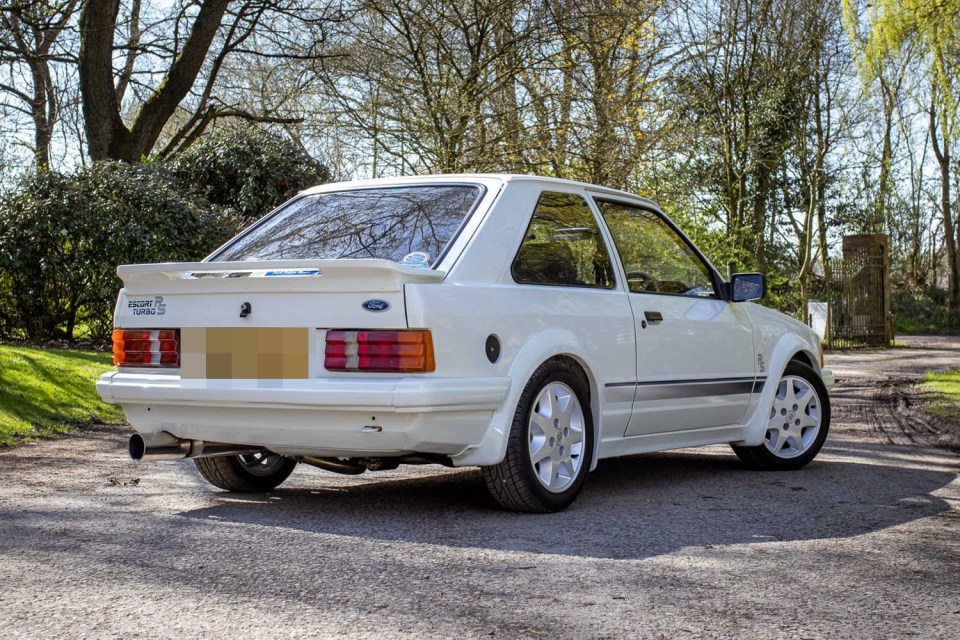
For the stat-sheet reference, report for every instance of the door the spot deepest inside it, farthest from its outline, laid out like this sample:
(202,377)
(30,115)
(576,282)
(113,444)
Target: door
(564,253)
(695,354)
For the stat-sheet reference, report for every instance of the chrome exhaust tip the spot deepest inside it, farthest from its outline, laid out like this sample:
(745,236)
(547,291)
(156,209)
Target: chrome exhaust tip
(166,446)
(158,446)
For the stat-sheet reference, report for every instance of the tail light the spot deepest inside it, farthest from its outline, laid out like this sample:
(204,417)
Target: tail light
(146,347)
(403,351)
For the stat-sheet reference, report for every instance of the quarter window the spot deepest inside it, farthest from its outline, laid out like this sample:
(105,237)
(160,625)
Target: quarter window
(656,259)
(563,246)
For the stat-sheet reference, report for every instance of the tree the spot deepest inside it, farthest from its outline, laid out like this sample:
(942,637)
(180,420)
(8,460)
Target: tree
(418,79)
(30,44)
(932,27)
(741,91)
(590,89)
(194,51)
(247,170)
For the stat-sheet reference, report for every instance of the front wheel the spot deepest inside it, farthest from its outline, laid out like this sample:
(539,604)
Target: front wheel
(250,473)
(798,423)
(550,446)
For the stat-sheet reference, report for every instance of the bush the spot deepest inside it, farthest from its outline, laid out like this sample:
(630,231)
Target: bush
(62,236)
(247,170)
(922,311)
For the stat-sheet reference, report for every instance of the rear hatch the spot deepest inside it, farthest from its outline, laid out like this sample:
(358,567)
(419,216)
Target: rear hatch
(265,319)
(277,293)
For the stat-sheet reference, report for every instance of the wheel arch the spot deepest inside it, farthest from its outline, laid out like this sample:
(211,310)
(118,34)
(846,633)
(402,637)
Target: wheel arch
(804,356)
(789,348)
(550,345)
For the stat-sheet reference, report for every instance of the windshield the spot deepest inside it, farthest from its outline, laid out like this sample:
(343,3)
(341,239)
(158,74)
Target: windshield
(411,225)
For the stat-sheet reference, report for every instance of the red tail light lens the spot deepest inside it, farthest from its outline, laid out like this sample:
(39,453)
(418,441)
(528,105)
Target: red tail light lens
(146,347)
(402,351)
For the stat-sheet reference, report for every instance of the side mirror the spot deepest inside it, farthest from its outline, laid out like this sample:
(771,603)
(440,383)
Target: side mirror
(747,286)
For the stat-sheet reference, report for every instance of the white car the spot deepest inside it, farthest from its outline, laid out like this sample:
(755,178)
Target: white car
(527,326)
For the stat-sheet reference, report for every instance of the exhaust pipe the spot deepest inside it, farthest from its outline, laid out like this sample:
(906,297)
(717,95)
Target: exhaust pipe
(166,446)
(347,467)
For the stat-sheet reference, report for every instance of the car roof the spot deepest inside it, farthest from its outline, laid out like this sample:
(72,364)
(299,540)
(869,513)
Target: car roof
(477,177)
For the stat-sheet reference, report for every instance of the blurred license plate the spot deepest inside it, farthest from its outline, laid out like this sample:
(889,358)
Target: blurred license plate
(245,353)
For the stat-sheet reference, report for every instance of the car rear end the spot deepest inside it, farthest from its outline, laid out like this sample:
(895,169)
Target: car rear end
(294,337)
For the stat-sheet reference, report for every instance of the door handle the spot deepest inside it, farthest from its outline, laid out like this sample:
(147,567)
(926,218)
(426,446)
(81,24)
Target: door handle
(653,316)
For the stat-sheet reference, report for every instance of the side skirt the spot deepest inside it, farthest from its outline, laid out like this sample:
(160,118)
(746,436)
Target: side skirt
(615,447)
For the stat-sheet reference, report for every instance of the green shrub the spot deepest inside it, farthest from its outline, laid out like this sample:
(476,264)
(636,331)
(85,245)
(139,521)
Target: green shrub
(248,170)
(62,237)
(923,311)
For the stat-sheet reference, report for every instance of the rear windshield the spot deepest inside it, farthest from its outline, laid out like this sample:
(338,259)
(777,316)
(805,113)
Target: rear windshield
(412,225)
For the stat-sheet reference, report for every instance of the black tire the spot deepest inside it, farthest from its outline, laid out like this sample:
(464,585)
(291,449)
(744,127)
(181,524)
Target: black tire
(760,457)
(233,473)
(513,483)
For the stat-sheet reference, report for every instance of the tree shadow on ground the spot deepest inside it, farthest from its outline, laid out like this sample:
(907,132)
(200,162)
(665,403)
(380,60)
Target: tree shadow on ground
(632,507)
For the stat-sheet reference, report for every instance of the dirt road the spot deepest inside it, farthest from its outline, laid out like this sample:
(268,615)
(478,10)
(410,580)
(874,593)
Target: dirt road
(864,543)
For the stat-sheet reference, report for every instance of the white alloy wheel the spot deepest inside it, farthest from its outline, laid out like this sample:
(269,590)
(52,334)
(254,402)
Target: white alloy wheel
(555,437)
(795,418)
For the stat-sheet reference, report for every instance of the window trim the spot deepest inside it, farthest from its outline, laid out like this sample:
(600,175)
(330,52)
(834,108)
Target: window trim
(614,285)
(718,288)
(300,196)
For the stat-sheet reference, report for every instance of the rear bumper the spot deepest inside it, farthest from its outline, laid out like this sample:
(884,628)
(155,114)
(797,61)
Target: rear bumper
(344,416)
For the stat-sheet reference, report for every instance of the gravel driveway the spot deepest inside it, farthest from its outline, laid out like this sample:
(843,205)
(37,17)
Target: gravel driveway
(863,543)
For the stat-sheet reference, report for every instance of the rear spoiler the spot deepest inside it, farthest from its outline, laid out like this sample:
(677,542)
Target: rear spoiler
(365,274)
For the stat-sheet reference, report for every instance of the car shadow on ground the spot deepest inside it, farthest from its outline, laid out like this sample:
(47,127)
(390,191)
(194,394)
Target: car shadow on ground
(633,507)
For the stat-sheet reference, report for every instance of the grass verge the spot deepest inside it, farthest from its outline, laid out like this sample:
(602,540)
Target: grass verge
(944,389)
(942,402)
(44,392)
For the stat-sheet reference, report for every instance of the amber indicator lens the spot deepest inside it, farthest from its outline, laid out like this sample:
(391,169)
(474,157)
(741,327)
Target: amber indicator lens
(146,347)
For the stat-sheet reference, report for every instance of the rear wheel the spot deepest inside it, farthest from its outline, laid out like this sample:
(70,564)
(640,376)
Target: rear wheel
(550,446)
(250,473)
(797,425)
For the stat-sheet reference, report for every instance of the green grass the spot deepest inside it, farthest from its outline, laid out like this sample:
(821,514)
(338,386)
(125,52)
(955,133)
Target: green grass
(945,391)
(44,392)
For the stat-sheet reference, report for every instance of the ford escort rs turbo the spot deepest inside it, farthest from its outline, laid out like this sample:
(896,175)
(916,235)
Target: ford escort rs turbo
(526,326)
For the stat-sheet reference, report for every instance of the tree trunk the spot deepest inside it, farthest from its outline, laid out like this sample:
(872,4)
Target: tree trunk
(889,104)
(44,110)
(951,241)
(108,138)
(759,223)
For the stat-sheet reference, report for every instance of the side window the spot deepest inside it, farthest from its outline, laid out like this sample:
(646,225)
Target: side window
(655,258)
(563,246)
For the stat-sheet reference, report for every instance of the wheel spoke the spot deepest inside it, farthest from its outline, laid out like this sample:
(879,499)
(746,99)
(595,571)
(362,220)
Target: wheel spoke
(808,421)
(545,470)
(552,404)
(566,408)
(791,396)
(803,400)
(775,439)
(542,423)
(539,449)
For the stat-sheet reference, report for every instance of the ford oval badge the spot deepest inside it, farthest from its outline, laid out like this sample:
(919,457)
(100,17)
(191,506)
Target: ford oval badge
(376,305)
